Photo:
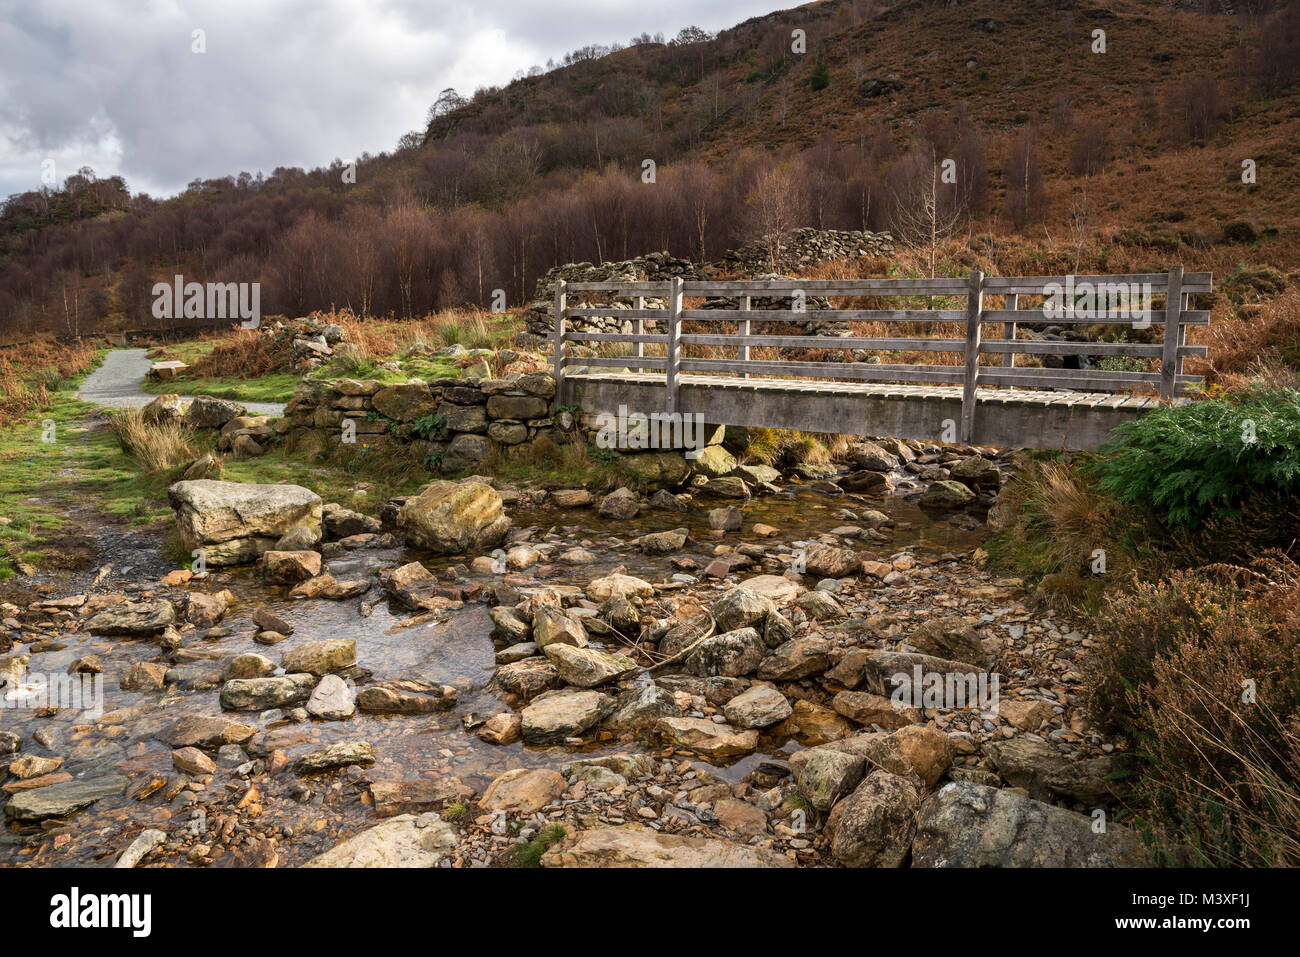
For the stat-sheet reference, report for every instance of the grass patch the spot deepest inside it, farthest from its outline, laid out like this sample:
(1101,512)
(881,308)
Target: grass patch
(530,854)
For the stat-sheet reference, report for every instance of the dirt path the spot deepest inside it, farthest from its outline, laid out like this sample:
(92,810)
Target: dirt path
(116,384)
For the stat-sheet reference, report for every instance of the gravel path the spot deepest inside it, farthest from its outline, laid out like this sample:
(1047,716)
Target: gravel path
(116,383)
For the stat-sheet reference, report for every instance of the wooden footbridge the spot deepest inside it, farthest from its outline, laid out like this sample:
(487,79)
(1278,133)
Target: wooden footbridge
(705,361)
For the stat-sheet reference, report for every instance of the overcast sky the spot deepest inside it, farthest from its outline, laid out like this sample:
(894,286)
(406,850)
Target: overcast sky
(115,85)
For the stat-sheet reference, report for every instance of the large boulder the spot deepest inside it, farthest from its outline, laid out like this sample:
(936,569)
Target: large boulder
(454,517)
(586,667)
(632,845)
(402,841)
(874,826)
(556,715)
(133,618)
(235,522)
(206,412)
(971,825)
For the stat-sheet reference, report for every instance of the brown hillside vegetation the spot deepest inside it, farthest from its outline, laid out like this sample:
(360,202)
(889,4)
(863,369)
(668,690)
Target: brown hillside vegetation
(1128,157)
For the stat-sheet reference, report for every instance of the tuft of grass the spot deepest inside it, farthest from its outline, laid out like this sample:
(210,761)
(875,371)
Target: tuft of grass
(530,854)
(159,446)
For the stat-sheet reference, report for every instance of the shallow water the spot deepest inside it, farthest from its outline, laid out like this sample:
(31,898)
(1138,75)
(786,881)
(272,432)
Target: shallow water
(391,643)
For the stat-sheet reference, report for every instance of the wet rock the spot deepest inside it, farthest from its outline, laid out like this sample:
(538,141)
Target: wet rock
(234,522)
(666,501)
(946,495)
(797,658)
(586,667)
(204,610)
(517,652)
(641,708)
(418,796)
(402,841)
(508,625)
(454,517)
(732,654)
(730,486)
(86,665)
(248,665)
(260,694)
(726,519)
(193,761)
(134,619)
(621,504)
(621,614)
(819,605)
(405,697)
(869,455)
(572,498)
(290,567)
(526,679)
(331,700)
(502,729)
(201,731)
(63,799)
(335,756)
(875,825)
(271,622)
(523,791)
(977,472)
(971,825)
(865,482)
(555,715)
(632,845)
(663,543)
(714,461)
(144,676)
(416,587)
(321,657)
(140,848)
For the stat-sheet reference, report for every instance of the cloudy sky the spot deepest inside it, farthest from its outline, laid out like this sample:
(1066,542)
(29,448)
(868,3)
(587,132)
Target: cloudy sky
(115,84)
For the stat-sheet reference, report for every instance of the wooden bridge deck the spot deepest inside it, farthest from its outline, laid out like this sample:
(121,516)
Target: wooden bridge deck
(1006,417)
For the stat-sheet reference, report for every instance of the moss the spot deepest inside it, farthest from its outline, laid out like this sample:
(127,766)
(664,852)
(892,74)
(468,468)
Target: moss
(530,854)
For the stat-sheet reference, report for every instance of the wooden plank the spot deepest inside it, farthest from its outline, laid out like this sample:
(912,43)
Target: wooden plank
(1009,329)
(674,341)
(1034,285)
(558,334)
(1169,363)
(974,310)
(889,372)
(575,312)
(618,362)
(615,337)
(829,315)
(827,342)
(744,329)
(638,325)
(830,287)
(1030,347)
(1192,318)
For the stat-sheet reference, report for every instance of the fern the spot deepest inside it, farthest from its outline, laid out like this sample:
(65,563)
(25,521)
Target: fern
(1206,459)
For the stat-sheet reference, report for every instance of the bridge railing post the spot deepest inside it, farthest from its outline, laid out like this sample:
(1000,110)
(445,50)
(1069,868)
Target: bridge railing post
(674,341)
(1170,361)
(560,305)
(974,313)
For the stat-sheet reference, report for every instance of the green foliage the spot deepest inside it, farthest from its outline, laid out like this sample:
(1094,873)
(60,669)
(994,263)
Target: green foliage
(821,74)
(530,854)
(432,427)
(1204,460)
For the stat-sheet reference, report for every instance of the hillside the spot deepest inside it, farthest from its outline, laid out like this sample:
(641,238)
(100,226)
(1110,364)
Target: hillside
(1054,145)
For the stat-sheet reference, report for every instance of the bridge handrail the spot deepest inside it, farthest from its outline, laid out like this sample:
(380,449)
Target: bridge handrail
(1175,286)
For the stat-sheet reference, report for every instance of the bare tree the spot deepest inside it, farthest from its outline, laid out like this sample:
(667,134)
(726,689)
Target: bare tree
(775,204)
(925,211)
